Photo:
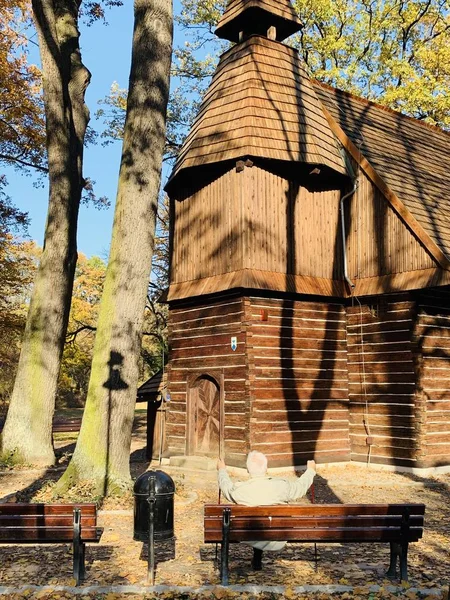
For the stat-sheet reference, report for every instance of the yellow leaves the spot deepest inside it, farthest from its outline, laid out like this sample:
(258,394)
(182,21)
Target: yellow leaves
(21,116)
(396,53)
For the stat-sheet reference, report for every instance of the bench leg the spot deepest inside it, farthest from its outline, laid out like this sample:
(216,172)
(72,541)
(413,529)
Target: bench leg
(395,551)
(404,562)
(225,546)
(400,551)
(83,563)
(79,570)
(78,548)
(257,559)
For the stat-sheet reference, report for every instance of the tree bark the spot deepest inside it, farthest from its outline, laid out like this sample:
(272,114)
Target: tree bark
(27,435)
(102,452)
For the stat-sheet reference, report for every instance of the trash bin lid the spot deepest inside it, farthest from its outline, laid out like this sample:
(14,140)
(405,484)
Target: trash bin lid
(163,483)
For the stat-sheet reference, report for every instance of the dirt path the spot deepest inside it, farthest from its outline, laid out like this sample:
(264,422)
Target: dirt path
(118,560)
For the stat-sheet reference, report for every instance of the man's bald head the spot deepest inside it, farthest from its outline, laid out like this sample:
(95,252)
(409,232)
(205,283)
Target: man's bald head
(256,463)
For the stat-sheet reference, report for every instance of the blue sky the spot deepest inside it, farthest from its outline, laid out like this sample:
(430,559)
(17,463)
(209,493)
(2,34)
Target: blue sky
(106,51)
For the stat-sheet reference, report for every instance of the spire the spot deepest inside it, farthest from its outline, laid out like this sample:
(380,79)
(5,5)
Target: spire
(275,19)
(260,104)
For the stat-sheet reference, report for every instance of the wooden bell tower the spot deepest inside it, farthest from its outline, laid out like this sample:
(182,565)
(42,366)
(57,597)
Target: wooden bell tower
(257,339)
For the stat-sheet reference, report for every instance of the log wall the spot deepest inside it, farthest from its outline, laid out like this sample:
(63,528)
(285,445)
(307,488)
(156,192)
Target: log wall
(298,380)
(432,339)
(382,382)
(199,338)
(368,383)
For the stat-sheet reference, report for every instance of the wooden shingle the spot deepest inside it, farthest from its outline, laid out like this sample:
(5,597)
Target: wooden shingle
(262,104)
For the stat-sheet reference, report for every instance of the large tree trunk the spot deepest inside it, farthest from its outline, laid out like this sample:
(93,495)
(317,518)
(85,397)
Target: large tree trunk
(27,435)
(102,452)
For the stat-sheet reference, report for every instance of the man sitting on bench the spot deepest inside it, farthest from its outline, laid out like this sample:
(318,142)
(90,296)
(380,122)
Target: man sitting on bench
(262,490)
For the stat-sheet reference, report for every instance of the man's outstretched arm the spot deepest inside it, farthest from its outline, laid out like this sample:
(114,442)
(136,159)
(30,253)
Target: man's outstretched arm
(225,484)
(298,487)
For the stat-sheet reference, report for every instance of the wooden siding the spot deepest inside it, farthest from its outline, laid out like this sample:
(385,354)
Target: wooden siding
(255,219)
(200,344)
(382,377)
(298,380)
(257,229)
(432,338)
(379,242)
(207,226)
(253,279)
(408,155)
(317,379)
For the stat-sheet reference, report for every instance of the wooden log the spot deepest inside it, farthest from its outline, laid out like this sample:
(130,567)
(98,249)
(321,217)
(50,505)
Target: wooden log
(278,393)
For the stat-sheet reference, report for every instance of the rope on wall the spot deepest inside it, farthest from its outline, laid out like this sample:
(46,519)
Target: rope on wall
(366,420)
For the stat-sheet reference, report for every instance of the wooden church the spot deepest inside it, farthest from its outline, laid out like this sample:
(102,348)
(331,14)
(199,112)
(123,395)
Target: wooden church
(310,275)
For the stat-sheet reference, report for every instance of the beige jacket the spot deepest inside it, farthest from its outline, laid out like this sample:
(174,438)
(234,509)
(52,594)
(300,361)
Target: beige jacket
(265,490)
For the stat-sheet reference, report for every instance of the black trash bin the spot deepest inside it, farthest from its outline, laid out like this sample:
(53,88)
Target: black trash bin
(156,487)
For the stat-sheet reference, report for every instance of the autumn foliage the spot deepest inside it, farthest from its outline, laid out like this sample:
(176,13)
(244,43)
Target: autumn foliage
(22,128)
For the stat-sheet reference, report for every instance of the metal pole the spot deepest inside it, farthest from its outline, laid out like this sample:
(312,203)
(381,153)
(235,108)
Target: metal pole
(313,497)
(162,426)
(151,532)
(226,518)
(217,545)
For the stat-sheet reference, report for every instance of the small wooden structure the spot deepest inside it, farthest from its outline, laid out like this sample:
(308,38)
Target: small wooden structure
(154,393)
(309,285)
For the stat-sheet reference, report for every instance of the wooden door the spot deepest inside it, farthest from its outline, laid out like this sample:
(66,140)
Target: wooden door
(205,414)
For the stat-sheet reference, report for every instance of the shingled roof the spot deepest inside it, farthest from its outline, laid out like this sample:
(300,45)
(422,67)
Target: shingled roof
(246,15)
(410,156)
(261,103)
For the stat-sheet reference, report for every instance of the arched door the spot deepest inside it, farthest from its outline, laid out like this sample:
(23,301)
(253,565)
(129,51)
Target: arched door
(205,417)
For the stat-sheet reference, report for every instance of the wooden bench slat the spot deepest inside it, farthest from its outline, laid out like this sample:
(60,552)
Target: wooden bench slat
(46,509)
(336,535)
(48,534)
(315,509)
(44,521)
(291,522)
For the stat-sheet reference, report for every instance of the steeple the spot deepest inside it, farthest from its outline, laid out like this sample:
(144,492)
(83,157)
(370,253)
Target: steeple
(275,19)
(260,103)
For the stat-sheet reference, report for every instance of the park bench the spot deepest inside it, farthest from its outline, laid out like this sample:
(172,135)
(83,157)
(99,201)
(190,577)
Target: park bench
(60,425)
(52,524)
(66,425)
(398,524)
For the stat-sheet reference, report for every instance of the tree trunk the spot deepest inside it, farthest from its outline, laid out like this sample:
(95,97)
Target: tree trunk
(102,453)
(27,435)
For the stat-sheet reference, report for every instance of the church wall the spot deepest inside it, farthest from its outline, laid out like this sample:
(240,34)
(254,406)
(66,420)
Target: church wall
(255,219)
(431,336)
(385,408)
(379,243)
(298,380)
(200,344)
(367,383)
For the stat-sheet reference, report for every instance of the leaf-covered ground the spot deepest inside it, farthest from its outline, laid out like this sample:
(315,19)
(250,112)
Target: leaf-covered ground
(354,570)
